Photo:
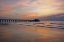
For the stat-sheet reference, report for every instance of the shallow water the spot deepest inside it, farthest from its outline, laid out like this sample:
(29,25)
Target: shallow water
(48,24)
(33,32)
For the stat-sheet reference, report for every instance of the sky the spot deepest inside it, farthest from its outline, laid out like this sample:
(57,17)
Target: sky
(28,9)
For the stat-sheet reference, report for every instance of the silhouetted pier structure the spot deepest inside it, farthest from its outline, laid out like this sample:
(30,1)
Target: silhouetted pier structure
(8,21)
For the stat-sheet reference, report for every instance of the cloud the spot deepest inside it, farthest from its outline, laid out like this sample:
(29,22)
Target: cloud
(6,6)
(27,3)
(42,3)
(58,17)
(29,15)
(42,7)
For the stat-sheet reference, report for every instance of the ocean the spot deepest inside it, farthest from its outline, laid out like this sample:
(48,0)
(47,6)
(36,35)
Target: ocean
(43,31)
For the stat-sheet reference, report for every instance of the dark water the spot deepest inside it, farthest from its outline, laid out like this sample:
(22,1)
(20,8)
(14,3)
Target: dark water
(44,31)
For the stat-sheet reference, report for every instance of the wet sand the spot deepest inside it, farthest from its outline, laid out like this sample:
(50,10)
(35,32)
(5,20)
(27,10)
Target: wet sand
(18,33)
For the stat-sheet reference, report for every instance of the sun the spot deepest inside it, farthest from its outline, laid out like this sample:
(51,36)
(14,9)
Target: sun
(46,10)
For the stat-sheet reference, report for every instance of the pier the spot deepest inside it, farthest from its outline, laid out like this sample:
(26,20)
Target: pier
(8,21)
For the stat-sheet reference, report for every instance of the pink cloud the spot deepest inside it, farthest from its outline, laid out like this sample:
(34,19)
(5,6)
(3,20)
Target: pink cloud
(28,15)
(7,8)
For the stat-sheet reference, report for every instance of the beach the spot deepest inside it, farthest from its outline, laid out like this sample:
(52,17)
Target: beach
(24,33)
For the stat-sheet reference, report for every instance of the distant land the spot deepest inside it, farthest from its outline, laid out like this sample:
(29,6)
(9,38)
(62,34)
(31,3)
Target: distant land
(58,17)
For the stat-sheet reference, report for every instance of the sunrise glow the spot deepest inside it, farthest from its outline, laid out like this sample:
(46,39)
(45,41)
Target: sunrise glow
(30,8)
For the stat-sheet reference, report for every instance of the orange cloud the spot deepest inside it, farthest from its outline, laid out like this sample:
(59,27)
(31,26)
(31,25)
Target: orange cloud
(44,7)
(30,15)
(6,8)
